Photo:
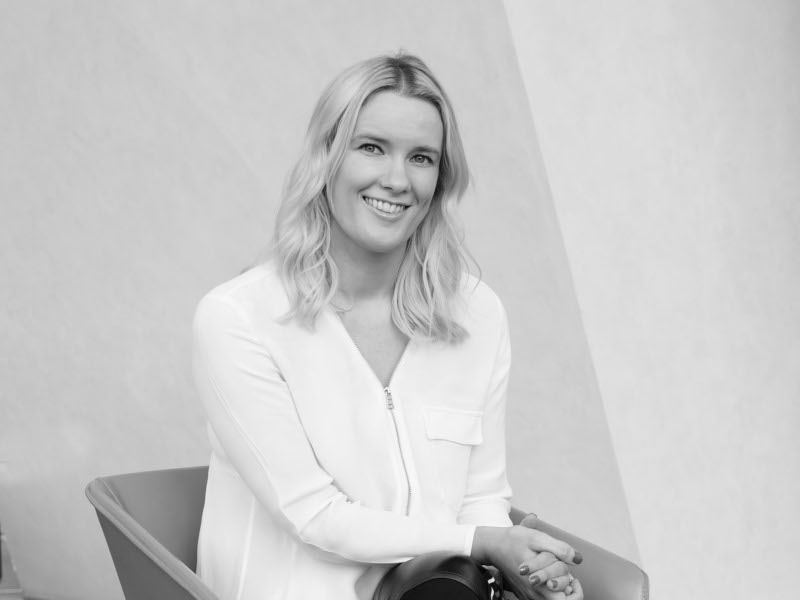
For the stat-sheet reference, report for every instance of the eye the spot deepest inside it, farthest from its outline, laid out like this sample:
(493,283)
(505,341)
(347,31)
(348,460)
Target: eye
(422,159)
(370,148)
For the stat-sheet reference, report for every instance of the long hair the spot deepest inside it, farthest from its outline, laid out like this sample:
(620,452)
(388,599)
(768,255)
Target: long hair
(434,266)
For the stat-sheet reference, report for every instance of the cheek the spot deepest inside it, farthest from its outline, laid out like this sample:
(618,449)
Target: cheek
(358,171)
(425,185)
(345,182)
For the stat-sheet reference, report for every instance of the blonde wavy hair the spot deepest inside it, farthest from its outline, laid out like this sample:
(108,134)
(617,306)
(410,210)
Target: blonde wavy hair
(435,264)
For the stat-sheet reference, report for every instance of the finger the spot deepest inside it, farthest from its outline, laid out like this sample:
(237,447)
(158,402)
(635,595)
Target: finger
(577,590)
(558,584)
(542,593)
(530,520)
(537,562)
(544,543)
(557,569)
(568,590)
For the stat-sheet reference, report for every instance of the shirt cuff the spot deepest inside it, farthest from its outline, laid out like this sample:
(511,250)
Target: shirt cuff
(469,537)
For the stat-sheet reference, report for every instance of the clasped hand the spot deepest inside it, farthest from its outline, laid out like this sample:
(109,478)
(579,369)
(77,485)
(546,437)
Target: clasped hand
(535,566)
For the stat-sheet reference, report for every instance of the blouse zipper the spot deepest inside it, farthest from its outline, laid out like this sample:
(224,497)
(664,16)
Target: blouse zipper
(390,406)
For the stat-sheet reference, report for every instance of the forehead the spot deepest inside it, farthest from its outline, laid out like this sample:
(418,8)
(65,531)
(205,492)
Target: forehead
(400,120)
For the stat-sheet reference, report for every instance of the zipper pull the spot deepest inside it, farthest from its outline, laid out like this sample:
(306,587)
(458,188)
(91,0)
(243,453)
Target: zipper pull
(389,403)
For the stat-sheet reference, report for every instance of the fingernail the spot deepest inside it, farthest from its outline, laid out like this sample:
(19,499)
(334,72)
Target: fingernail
(535,580)
(578,558)
(552,584)
(524,570)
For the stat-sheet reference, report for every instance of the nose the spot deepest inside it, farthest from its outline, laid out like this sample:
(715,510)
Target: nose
(395,177)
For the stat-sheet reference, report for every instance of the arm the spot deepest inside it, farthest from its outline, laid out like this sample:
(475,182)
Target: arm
(251,410)
(486,502)
(487,495)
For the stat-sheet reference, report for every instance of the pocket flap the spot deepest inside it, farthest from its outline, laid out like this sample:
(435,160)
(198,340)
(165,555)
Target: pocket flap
(460,426)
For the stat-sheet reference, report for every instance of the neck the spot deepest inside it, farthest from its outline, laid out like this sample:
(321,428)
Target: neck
(363,275)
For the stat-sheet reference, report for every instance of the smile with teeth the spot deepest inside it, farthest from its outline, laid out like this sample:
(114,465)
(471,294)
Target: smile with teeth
(385,207)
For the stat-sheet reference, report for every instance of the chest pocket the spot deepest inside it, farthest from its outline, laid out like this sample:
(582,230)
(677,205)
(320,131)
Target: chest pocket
(454,425)
(452,433)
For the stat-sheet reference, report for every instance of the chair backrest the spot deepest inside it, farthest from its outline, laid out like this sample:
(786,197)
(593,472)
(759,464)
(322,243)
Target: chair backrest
(151,521)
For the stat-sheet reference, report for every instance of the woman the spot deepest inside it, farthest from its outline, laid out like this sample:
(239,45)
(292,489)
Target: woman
(355,383)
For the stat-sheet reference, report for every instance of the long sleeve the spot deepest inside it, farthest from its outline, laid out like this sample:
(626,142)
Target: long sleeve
(252,413)
(487,496)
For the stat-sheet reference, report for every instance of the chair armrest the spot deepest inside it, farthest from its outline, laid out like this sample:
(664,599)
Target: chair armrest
(603,574)
(142,562)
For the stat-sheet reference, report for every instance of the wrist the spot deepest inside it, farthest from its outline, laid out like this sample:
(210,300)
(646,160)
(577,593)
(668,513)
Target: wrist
(485,543)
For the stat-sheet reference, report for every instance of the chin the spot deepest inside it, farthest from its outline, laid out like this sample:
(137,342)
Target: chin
(381,247)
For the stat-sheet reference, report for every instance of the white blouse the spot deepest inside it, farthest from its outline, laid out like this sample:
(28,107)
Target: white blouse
(320,478)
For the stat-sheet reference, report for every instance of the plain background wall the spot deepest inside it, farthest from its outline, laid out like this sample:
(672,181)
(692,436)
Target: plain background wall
(144,147)
(670,132)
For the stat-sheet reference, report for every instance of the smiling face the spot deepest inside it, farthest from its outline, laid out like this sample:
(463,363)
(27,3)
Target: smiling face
(384,186)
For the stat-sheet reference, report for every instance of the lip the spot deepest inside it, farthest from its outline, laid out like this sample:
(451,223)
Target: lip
(381,214)
(363,196)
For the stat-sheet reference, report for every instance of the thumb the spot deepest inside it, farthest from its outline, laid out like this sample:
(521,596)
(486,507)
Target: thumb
(530,521)
(561,550)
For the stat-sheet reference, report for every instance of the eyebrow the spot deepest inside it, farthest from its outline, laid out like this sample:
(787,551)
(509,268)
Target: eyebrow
(385,142)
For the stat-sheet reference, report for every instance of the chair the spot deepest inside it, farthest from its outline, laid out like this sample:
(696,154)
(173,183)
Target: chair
(151,522)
